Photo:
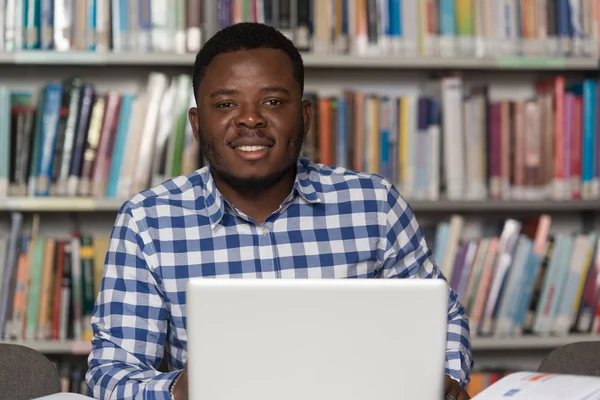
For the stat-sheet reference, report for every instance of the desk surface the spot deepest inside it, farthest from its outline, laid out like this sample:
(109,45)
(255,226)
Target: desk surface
(64,396)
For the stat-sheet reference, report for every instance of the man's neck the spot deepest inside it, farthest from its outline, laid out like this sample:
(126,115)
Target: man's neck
(260,203)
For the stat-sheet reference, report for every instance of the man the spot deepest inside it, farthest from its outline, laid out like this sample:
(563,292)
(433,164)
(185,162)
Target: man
(258,211)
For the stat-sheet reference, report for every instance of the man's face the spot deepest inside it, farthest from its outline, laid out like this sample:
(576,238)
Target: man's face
(250,119)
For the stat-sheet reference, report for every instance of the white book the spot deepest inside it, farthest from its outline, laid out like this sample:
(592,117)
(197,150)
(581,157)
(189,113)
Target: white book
(157,85)
(177,25)
(118,44)
(63,15)
(103,21)
(410,27)
(453,151)
(506,248)
(160,11)
(539,385)
(165,123)
(9,25)
(19,37)
(2,23)
(577,43)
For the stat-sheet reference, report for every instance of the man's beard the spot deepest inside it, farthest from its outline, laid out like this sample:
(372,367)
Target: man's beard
(253,184)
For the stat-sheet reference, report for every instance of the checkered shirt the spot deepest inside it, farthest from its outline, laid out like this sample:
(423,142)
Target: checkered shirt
(334,224)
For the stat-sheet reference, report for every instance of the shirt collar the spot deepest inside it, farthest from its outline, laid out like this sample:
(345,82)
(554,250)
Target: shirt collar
(215,203)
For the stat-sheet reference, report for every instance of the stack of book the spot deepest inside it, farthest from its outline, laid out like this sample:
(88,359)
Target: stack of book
(75,140)
(519,278)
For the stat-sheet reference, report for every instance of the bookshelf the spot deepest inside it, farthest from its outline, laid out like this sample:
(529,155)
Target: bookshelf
(509,78)
(479,344)
(46,58)
(112,205)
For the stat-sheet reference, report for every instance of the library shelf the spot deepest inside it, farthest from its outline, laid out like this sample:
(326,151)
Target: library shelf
(311,60)
(479,344)
(55,346)
(528,342)
(494,205)
(90,204)
(65,204)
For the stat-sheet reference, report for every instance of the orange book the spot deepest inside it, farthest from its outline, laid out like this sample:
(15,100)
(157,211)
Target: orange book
(325,135)
(21,294)
(46,290)
(56,300)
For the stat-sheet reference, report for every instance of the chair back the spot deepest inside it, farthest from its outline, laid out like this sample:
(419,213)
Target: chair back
(26,373)
(581,358)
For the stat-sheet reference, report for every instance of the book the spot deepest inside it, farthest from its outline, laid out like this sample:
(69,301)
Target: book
(547,386)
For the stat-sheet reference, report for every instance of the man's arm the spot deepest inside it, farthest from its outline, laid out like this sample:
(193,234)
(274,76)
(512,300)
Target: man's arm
(406,255)
(129,322)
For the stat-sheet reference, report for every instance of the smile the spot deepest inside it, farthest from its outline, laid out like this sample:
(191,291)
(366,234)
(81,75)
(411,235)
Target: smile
(251,148)
(252,152)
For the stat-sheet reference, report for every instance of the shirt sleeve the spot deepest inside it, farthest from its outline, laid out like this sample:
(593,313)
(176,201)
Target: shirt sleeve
(406,255)
(129,322)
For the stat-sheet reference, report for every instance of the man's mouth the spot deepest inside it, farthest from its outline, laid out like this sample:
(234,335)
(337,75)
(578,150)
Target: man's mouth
(252,152)
(247,148)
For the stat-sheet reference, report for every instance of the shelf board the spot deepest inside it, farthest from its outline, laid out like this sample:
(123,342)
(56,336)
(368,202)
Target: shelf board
(40,57)
(528,342)
(475,206)
(65,204)
(401,62)
(479,344)
(88,204)
(55,347)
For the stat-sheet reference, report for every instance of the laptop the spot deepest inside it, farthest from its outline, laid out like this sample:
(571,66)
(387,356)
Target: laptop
(266,339)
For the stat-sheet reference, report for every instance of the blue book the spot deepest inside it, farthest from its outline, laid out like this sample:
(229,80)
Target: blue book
(47,25)
(31,23)
(91,25)
(384,138)
(119,150)
(589,140)
(394,8)
(51,117)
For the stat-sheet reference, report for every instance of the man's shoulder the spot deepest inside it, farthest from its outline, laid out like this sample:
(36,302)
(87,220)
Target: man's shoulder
(335,179)
(177,191)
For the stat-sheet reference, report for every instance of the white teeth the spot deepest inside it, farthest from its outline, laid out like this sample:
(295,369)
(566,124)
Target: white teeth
(252,148)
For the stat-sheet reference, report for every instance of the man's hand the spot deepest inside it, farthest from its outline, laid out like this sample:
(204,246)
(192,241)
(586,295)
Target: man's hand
(180,390)
(453,390)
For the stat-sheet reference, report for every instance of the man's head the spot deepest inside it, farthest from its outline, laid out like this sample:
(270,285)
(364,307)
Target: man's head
(250,118)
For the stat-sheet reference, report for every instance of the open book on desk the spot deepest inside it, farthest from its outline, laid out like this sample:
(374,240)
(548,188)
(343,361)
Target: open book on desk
(538,386)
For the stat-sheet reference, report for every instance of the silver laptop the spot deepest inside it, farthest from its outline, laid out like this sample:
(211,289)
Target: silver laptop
(263,339)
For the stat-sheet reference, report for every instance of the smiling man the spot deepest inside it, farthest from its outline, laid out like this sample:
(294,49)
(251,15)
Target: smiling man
(258,211)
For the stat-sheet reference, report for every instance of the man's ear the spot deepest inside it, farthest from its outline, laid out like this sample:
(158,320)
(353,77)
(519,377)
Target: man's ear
(307,112)
(194,121)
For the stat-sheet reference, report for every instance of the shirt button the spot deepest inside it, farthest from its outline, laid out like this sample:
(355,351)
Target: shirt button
(264,230)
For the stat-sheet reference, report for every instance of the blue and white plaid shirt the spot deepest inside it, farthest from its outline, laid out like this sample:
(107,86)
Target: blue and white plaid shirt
(334,224)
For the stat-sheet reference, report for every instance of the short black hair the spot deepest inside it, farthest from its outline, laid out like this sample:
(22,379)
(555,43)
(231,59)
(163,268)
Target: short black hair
(246,36)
